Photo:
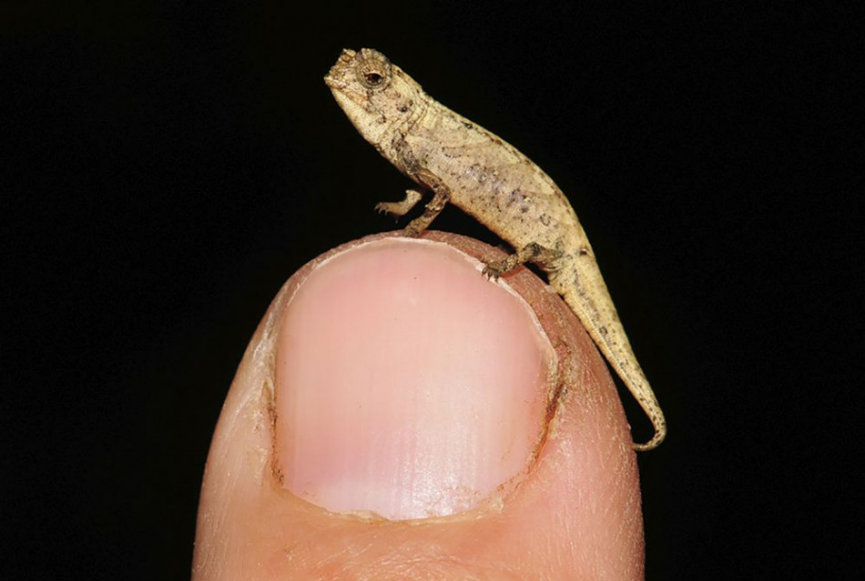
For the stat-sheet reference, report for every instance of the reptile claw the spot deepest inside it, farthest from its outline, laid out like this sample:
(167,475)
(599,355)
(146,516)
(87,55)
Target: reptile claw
(491,272)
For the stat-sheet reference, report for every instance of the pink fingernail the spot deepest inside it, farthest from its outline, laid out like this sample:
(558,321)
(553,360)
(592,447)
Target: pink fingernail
(408,385)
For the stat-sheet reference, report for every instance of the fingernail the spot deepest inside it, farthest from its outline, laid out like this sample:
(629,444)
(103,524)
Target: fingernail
(407,385)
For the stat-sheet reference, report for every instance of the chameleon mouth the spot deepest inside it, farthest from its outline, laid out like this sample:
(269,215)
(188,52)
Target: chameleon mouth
(336,77)
(333,83)
(342,82)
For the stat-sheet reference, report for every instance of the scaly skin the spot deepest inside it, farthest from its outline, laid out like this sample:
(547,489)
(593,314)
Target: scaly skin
(466,165)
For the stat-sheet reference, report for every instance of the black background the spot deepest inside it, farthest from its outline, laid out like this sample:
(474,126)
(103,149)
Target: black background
(168,165)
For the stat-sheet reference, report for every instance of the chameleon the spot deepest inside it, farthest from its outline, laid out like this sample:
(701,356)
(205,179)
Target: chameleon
(461,163)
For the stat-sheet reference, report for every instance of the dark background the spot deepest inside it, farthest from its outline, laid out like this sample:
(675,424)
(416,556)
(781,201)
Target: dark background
(168,165)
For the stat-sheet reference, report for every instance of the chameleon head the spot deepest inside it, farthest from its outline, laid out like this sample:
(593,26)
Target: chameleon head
(376,95)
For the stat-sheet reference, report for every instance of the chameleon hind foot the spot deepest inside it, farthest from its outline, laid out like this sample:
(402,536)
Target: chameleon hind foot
(532,252)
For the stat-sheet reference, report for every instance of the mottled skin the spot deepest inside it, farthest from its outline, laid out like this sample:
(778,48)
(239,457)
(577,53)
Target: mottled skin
(466,165)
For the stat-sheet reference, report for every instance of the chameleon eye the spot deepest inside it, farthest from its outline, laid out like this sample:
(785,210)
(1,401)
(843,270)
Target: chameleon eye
(373,71)
(373,78)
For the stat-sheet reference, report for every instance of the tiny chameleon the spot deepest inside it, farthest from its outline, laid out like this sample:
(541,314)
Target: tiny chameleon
(462,163)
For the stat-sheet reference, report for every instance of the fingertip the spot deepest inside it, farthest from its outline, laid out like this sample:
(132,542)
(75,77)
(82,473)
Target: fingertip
(573,510)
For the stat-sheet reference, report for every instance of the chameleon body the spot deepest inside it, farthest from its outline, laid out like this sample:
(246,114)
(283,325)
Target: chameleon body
(466,165)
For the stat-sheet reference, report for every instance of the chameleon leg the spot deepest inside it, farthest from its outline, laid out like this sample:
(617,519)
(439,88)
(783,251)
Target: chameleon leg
(432,210)
(533,252)
(412,197)
(441,195)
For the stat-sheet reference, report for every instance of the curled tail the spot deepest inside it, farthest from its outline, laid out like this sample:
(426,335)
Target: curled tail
(589,299)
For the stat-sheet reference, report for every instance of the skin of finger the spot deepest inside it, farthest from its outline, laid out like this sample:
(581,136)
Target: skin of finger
(576,515)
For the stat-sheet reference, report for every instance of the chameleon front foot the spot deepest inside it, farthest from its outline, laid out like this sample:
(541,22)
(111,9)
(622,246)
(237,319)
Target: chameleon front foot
(401,208)
(411,231)
(417,226)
